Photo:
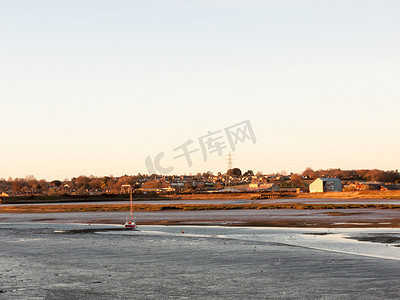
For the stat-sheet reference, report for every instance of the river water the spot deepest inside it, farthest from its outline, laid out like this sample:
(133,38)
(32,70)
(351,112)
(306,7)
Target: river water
(231,201)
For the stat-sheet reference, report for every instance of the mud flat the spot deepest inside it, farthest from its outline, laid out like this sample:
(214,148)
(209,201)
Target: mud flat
(68,261)
(330,218)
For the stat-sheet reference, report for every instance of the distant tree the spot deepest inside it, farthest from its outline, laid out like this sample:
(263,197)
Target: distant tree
(42,185)
(125,180)
(296,180)
(309,173)
(18,184)
(207,174)
(96,183)
(381,176)
(30,177)
(112,184)
(249,173)
(153,184)
(82,182)
(32,182)
(283,173)
(362,174)
(235,172)
(56,183)
(350,175)
(104,181)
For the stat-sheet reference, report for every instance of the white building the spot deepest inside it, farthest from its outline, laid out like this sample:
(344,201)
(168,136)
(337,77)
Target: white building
(321,185)
(267,187)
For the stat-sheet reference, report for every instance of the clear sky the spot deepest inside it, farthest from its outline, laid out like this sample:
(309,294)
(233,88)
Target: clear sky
(95,87)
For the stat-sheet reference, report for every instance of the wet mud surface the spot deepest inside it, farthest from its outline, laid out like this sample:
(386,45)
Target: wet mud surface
(53,261)
(266,218)
(379,238)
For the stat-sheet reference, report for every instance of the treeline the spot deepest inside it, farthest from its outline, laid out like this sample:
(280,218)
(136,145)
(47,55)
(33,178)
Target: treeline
(354,175)
(84,185)
(77,185)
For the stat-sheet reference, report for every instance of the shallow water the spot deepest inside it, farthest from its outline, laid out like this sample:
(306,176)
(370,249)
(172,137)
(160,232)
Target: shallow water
(334,240)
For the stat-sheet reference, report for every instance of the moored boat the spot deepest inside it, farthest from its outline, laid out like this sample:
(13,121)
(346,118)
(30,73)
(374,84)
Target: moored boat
(130,224)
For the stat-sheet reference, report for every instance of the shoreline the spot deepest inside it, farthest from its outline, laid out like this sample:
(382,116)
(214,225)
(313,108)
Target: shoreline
(63,208)
(34,199)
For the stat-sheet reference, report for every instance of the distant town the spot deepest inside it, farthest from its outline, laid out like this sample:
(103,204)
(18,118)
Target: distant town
(230,182)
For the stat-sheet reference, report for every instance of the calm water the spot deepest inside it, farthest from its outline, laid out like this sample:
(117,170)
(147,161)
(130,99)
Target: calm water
(72,261)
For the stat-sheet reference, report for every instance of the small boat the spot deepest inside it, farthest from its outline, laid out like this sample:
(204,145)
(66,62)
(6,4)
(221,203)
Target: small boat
(130,224)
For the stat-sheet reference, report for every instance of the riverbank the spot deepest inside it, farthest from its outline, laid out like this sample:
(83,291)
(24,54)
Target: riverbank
(394,195)
(55,208)
(352,195)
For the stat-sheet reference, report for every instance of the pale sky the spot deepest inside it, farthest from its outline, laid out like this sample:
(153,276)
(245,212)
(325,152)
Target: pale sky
(95,87)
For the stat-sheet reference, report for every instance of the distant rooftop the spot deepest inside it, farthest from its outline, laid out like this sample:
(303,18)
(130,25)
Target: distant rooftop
(329,179)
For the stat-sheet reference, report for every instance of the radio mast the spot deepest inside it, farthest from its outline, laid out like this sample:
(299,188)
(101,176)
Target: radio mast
(230,167)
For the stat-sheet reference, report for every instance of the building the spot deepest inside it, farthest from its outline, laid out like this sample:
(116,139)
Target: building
(390,187)
(3,195)
(321,185)
(164,190)
(265,187)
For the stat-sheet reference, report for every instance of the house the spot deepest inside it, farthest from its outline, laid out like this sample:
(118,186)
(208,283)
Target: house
(321,185)
(159,190)
(254,185)
(3,195)
(267,187)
